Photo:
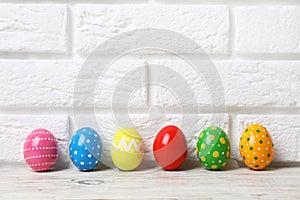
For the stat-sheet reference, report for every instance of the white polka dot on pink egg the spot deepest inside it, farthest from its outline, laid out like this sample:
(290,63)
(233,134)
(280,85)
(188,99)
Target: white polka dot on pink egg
(40,150)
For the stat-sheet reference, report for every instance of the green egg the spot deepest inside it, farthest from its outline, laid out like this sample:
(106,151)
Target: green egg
(213,148)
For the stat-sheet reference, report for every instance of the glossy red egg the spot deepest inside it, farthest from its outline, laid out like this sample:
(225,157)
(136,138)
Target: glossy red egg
(170,148)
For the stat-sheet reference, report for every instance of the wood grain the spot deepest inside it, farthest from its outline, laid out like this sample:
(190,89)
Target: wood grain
(19,182)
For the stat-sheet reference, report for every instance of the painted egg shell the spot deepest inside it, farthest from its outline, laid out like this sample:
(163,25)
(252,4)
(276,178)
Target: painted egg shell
(127,149)
(256,147)
(40,150)
(213,148)
(170,148)
(85,149)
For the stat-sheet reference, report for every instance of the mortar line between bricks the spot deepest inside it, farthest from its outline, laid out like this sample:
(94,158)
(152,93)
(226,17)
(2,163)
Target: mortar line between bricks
(62,57)
(148,78)
(71,29)
(73,2)
(233,57)
(160,2)
(233,125)
(229,110)
(232,33)
(35,56)
(226,2)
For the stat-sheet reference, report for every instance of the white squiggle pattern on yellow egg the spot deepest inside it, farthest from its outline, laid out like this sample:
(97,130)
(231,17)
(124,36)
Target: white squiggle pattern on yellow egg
(127,144)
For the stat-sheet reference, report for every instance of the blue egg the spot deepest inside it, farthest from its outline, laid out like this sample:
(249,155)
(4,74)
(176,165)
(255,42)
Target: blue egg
(85,149)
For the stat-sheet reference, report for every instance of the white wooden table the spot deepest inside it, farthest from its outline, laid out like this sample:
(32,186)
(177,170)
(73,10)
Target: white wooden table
(19,182)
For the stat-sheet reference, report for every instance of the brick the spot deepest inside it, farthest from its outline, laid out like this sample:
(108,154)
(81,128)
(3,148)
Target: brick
(261,84)
(268,30)
(208,26)
(245,83)
(50,83)
(33,28)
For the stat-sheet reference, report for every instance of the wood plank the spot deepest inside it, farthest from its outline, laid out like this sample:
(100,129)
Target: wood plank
(18,182)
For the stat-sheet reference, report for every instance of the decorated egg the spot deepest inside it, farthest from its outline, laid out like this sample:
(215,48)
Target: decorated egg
(256,147)
(85,149)
(170,148)
(213,148)
(40,150)
(127,150)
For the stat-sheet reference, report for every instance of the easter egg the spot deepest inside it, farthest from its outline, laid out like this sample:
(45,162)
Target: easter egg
(127,150)
(85,149)
(256,147)
(170,148)
(213,148)
(40,150)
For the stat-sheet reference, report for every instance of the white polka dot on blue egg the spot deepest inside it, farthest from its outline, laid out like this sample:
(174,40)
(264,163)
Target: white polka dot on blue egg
(85,149)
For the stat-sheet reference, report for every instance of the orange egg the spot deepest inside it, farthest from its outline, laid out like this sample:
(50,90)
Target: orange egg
(256,147)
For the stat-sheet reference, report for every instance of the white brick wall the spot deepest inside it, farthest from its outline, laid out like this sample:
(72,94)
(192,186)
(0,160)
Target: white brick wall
(246,83)
(33,28)
(50,83)
(254,47)
(268,29)
(206,25)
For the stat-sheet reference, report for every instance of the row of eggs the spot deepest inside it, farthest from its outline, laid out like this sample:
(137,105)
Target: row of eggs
(169,148)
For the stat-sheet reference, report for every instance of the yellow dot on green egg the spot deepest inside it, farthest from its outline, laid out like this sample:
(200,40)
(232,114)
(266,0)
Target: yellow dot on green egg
(211,137)
(201,135)
(222,140)
(203,159)
(224,164)
(213,128)
(216,154)
(227,154)
(203,146)
(214,166)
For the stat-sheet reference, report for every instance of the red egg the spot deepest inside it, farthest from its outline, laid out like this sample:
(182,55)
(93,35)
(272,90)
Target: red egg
(170,148)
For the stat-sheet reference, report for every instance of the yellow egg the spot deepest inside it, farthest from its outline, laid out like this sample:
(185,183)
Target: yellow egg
(127,149)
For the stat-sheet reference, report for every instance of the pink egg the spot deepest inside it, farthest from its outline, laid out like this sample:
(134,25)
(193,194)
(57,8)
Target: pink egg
(40,150)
